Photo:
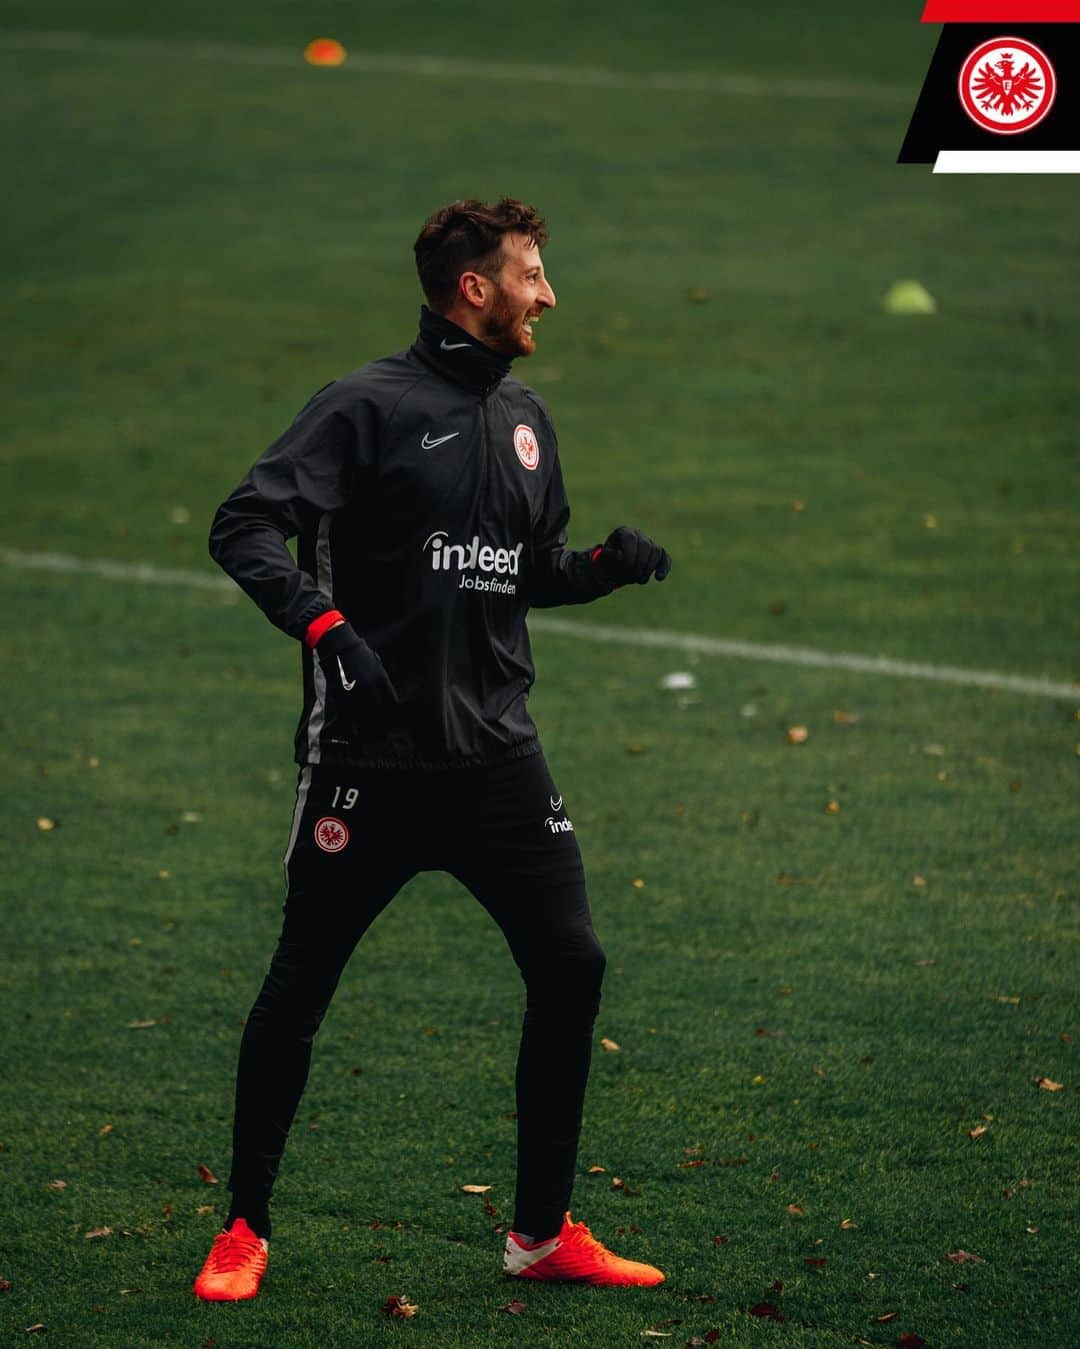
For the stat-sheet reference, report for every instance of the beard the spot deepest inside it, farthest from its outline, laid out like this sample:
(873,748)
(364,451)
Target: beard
(503,331)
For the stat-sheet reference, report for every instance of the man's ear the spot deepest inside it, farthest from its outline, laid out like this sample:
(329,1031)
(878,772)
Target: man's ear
(473,288)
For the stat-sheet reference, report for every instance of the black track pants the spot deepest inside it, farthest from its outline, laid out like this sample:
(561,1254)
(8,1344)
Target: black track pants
(358,836)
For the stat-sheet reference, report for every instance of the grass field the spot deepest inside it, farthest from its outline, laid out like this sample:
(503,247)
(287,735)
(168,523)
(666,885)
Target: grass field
(817,1009)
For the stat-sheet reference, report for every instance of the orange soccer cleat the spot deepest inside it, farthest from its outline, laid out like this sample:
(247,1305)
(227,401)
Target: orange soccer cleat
(574,1253)
(234,1266)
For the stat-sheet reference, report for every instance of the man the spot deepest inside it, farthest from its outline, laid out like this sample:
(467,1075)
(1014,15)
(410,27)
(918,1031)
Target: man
(428,503)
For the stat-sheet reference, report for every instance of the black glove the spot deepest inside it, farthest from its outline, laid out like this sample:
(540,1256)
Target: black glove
(357,685)
(628,555)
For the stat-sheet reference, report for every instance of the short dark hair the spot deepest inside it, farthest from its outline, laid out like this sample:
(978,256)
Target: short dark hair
(467,236)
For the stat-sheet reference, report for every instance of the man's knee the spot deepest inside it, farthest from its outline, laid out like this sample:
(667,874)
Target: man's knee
(571,974)
(296,992)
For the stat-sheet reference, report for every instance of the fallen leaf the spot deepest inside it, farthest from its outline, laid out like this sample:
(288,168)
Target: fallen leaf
(720,1241)
(638,883)
(596,1170)
(910,1341)
(768,1311)
(45,824)
(964,1257)
(833,808)
(40,1325)
(57,1184)
(1031,1230)
(711,1336)
(207,1175)
(845,718)
(797,735)
(400,1306)
(1006,997)
(611,1045)
(919,881)
(1048,1084)
(617,1183)
(886,1317)
(476,1189)
(656,1334)
(936,751)
(977,1132)
(205,1208)
(796,1210)
(846,1224)
(5,1285)
(815,1261)
(98,1232)
(798,505)
(514,1307)
(142,1025)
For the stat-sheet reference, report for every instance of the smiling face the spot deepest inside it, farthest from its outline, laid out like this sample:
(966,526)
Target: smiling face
(517,298)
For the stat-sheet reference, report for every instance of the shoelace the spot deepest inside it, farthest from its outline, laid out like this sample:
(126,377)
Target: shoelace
(230,1252)
(590,1242)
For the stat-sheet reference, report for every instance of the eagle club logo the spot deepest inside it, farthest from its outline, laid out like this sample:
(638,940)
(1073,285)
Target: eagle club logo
(1007,85)
(330,834)
(528,451)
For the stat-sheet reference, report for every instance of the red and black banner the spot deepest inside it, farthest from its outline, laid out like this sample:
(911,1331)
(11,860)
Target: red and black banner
(1005,76)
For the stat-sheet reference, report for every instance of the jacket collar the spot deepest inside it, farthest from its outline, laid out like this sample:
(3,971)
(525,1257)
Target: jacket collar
(457,354)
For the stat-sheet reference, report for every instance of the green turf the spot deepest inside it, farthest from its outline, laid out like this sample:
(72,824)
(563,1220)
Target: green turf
(193,248)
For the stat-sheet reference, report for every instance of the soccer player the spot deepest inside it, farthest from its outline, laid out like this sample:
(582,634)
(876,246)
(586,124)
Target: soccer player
(427,500)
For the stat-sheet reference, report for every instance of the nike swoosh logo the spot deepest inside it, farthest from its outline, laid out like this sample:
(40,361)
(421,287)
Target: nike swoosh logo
(347,684)
(452,346)
(556,802)
(427,444)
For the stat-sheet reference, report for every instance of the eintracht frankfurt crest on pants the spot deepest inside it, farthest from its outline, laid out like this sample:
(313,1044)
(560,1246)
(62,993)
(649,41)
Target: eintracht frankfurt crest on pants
(331,835)
(1007,85)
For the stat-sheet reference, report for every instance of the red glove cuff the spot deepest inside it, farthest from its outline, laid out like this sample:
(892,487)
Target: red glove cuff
(318,627)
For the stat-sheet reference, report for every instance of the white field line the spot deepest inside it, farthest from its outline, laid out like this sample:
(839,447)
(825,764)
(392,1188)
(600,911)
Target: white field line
(360,62)
(658,638)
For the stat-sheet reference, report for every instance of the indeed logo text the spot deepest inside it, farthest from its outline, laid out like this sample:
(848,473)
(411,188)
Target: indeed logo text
(475,557)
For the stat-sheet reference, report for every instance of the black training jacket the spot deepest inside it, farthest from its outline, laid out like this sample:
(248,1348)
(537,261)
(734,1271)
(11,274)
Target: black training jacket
(428,504)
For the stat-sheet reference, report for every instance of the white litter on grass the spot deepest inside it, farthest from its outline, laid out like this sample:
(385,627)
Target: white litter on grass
(748,710)
(678,679)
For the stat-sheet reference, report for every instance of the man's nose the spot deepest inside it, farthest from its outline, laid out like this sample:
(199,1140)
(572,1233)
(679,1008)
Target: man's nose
(547,295)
